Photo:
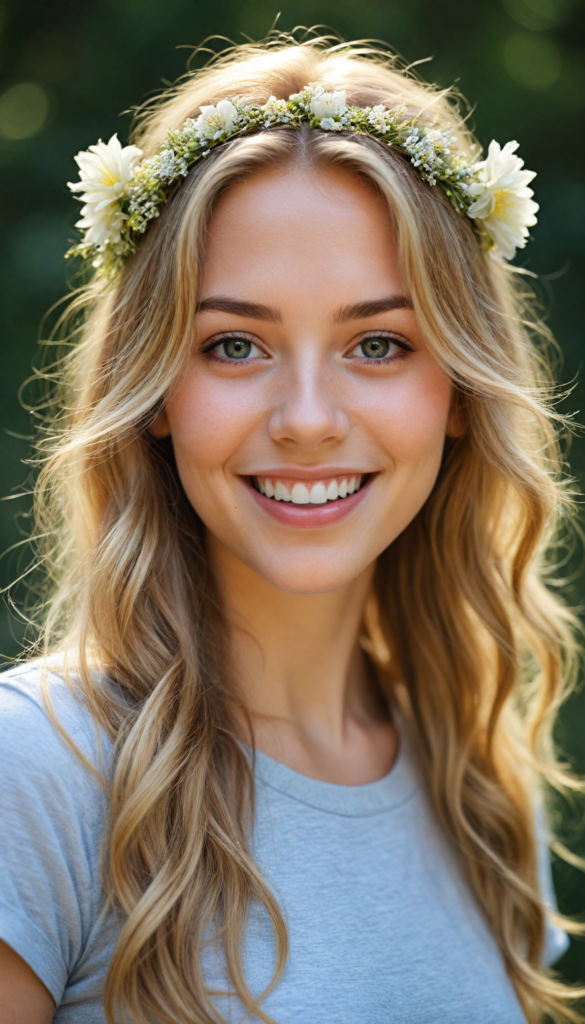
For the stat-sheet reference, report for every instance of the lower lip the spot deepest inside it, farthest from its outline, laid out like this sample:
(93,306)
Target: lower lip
(310,516)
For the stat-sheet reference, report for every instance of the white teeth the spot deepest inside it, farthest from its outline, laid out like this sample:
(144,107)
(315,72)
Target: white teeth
(300,495)
(318,494)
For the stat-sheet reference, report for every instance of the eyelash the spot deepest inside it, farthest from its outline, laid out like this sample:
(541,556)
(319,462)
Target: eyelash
(404,348)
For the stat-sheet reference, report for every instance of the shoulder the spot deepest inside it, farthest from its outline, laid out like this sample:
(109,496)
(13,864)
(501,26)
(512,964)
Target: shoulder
(45,725)
(54,808)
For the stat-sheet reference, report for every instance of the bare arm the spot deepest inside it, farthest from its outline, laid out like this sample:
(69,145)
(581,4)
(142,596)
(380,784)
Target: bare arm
(23,997)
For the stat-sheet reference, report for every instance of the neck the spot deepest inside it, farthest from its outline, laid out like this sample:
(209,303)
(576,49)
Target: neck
(298,668)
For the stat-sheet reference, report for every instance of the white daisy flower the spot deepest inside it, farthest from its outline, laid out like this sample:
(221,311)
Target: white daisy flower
(327,105)
(104,172)
(213,121)
(503,203)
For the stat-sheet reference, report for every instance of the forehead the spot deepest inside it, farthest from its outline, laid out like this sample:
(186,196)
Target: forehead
(315,230)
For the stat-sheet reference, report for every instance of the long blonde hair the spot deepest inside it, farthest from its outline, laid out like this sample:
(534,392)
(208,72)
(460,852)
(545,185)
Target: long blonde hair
(475,647)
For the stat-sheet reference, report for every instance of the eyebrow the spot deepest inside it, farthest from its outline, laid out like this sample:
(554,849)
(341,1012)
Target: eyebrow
(253,310)
(362,310)
(257,311)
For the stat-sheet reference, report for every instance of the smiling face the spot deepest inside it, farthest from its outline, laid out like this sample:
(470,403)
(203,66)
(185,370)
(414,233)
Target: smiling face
(309,427)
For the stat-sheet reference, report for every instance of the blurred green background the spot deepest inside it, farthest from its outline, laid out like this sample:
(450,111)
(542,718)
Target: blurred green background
(68,70)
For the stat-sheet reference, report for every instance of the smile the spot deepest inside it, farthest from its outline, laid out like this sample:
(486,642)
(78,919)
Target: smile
(318,492)
(310,503)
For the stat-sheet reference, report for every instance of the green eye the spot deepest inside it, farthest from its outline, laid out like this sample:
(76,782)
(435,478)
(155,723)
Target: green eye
(375,348)
(236,348)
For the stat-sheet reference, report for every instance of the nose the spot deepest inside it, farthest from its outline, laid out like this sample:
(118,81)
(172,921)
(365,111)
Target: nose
(309,412)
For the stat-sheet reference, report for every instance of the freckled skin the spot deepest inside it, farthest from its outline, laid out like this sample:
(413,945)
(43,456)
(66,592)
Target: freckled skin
(306,244)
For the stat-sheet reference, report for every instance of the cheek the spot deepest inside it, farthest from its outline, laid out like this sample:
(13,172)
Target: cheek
(410,422)
(209,419)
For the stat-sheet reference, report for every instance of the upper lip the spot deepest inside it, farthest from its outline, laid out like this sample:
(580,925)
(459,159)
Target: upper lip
(310,473)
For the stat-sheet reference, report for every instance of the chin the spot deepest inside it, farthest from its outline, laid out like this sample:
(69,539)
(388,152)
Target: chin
(308,573)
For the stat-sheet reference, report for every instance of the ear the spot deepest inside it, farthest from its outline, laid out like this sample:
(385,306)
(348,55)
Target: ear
(160,426)
(457,419)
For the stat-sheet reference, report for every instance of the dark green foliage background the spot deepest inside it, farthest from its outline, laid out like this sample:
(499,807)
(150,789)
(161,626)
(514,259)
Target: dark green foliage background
(97,58)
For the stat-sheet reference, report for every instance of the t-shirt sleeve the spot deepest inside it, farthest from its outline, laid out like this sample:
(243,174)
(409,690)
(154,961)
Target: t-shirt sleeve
(556,941)
(52,813)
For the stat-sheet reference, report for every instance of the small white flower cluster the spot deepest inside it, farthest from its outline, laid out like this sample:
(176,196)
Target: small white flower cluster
(430,151)
(122,195)
(275,111)
(171,167)
(383,120)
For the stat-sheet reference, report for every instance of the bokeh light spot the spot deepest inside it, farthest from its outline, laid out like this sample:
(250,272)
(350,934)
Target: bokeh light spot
(537,15)
(23,110)
(532,61)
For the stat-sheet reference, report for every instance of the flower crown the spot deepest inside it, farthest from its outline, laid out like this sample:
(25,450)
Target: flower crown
(122,194)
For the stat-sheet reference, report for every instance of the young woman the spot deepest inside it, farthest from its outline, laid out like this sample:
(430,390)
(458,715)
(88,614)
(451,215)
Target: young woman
(281,758)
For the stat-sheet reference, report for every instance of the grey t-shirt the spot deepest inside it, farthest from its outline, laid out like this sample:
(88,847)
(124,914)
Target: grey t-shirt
(382,927)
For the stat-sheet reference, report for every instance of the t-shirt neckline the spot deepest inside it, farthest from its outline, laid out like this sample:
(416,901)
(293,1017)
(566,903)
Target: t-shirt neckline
(369,798)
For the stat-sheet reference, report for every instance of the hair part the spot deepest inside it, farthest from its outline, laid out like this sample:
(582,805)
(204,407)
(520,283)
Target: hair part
(479,671)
